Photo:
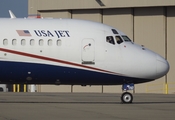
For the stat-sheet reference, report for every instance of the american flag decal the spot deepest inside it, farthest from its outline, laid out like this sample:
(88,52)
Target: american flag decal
(23,32)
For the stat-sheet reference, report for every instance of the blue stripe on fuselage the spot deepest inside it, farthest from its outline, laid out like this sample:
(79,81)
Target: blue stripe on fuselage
(21,72)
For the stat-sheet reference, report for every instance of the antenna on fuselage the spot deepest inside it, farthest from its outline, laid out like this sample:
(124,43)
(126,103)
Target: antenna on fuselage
(11,14)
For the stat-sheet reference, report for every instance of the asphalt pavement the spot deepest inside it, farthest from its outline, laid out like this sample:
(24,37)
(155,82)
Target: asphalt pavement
(85,106)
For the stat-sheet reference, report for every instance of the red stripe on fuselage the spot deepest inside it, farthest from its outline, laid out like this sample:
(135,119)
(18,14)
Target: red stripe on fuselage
(54,60)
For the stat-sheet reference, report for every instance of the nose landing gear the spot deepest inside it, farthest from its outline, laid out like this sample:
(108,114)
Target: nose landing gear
(127,97)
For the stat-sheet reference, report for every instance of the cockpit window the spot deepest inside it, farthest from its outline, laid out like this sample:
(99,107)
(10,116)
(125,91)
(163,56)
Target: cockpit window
(110,39)
(114,31)
(118,39)
(126,38)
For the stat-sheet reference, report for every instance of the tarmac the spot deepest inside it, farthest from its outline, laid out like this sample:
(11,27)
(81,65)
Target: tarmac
(85,106)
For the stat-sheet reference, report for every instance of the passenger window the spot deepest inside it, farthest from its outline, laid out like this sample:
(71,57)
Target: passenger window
(23,42)
(5,42)
(110,39)
(118,39)
(41,42)
(14,42)
(32,42)
(58,42)
(49,42)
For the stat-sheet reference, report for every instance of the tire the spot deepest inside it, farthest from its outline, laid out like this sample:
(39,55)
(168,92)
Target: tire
(1,89)
(126,97)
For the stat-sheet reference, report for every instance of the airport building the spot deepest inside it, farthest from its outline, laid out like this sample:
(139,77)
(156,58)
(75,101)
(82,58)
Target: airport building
(147,22)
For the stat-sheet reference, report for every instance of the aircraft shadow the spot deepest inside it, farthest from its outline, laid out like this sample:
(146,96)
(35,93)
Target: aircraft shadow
(50,102)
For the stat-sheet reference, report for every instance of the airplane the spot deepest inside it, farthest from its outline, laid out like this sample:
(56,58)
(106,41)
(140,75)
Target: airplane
(74,52)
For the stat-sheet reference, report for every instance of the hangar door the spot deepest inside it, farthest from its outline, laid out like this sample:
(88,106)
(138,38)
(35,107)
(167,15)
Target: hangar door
(56,14)
(88,51)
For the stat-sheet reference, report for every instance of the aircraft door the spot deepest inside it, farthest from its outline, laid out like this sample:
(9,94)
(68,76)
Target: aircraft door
(88,51)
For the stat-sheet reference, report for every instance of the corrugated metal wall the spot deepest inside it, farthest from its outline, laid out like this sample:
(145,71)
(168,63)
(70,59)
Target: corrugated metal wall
(93,4)
(56,14)
(171,47)
(153,27)
(149,30)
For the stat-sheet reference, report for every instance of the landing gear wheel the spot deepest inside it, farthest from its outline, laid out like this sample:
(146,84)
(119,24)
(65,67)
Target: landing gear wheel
(126,97)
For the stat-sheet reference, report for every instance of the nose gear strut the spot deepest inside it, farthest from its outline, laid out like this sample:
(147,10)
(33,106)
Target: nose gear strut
(127,97)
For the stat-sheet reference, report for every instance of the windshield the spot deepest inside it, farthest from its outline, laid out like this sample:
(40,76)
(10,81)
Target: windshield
(118,39)
(125,38)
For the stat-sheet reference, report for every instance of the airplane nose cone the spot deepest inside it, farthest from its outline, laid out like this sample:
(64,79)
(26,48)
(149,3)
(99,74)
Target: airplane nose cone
(162,66)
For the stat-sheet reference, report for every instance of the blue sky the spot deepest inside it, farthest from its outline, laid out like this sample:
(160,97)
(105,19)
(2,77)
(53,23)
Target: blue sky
(18,7)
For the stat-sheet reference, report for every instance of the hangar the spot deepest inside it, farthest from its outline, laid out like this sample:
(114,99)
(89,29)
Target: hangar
(147,22)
